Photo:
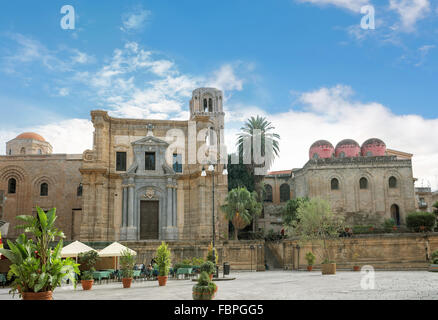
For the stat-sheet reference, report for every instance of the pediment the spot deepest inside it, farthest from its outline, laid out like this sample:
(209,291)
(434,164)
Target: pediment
(150,141)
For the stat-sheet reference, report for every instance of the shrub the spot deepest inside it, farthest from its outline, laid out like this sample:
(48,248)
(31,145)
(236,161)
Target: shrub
(127,262)
(310,257)
(208,267)
(420,221)
(210,254)
(204,285)
(197,261)
(163,259)
(389,224)
(88,260)
(361,229)
(434,257)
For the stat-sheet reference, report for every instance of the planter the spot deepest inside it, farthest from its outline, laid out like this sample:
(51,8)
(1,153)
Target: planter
(328,268)
(211,276)
(46,295)
(126,282)
(356,268)
(433,268)
(162,280)
(87,284)
(203,295)
(309,268)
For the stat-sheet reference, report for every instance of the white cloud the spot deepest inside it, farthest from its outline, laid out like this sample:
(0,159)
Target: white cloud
(353,5)
(226,79)
(135,21)
(410,12)
(333,114)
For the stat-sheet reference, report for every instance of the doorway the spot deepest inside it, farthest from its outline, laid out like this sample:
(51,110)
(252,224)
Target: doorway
(395,213)
(149,220)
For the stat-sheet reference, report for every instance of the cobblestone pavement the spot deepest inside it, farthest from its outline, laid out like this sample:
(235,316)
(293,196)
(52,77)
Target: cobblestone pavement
(270,285)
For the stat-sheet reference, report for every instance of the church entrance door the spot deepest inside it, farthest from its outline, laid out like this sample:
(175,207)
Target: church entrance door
(149,220)
(395,213)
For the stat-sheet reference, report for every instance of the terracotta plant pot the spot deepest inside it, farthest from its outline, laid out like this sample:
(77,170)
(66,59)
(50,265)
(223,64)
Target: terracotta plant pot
(87,284)
(356,268)
(127,282)
(47,295)
(162,280)
(211,276)
(309,268)
(203,295)
(328,268)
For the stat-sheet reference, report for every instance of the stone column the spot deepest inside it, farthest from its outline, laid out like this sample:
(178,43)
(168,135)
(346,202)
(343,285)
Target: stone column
(131,205)
(174,207)
(169,206)
(125,207)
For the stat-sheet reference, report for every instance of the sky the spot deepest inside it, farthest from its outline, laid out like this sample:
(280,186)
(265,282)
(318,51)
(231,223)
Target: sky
(306,65)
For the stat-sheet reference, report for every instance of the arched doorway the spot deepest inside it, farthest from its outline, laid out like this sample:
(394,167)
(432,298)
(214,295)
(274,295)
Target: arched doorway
(395,213)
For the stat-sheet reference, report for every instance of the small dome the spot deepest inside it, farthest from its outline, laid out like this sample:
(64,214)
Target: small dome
(373,148)
(30,135)
(347,148)
(321,149)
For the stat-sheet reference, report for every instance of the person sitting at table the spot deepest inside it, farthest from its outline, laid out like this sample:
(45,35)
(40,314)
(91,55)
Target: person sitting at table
(149,270)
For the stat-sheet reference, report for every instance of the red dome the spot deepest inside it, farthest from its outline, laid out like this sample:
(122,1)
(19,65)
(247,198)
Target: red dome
(347,148)
(373,148)
(30,135)
(321,149)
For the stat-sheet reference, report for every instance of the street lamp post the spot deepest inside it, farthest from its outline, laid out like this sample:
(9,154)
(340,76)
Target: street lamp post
(212,168)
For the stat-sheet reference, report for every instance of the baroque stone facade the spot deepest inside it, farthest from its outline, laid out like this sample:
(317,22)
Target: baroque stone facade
(366,184)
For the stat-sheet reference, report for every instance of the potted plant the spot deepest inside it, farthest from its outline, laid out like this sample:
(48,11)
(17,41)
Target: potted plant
(205,289)
(317,223)
(209,268)
(434,262)
(36,267)
(354,258)
(87,262)
(163,262)
(310,257)
(127,262)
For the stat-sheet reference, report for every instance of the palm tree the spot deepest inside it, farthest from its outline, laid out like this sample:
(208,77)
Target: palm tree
(240,207)
(258,127)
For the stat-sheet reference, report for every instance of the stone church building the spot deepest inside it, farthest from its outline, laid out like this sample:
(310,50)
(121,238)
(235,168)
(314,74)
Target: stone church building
(367,184)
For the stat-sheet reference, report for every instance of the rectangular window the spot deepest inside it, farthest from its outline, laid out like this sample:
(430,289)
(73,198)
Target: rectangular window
(149,161)
(121,161)
(177,163)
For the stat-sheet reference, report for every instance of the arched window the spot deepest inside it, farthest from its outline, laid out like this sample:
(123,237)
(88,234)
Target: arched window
(335,184)
(315,156)
(369,154)
(39,151)
(393,182)
(44,190)
(395,213)
(210,105)
(284,192)
(23,151)
(268,193)
(10,151)
(363,182)
(205,105)
(12,186)
(342,154)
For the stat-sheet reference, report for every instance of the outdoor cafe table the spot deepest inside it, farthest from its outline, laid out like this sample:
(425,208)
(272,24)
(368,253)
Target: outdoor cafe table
(137,273)
(99,275)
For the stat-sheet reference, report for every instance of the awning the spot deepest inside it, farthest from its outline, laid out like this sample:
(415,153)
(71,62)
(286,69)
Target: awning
(74,249)
(114,250)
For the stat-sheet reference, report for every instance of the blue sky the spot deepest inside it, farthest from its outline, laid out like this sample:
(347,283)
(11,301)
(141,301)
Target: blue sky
(305,64)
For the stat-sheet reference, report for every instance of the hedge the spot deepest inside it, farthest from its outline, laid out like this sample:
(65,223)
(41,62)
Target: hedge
(421,221)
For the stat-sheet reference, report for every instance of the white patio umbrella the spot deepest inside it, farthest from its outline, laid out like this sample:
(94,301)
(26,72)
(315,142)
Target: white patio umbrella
(74,249)
(114,250)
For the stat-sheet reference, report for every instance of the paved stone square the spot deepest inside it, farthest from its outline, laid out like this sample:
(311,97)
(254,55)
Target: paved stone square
(299,285)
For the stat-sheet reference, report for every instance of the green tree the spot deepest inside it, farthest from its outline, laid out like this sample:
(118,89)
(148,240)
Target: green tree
(258,128)
(239,176)
(435,206)
(290,210)
(163,259)
(317,223)
(240,207)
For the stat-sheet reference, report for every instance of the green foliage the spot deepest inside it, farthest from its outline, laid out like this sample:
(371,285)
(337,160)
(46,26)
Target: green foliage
(317,223)
(210,256)
(36,267)
(421,221)
(363,229)
(163,259)
(434,257)
(389,224)
(127,262)
(435,206)
(239,176)
(87,274)
(208,267)
(88,260)
(240,208)
(204,285)
(310,258)
(197,261)
(290,211)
